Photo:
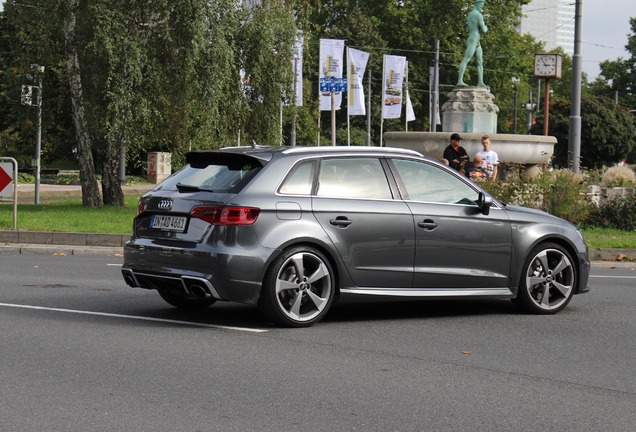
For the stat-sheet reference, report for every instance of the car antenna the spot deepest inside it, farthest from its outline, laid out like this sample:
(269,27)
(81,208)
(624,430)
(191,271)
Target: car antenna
(254,145)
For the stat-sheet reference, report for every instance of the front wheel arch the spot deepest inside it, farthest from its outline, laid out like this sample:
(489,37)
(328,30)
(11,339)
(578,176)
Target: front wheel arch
(548,279)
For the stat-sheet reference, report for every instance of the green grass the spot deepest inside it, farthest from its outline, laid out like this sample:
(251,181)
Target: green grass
(609,238)
(68,215)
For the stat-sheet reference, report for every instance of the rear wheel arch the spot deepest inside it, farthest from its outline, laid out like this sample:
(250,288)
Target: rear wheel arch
(329,255)
(299,286)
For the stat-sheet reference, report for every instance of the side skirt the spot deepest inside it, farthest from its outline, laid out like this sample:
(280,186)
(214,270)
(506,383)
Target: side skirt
(430,292)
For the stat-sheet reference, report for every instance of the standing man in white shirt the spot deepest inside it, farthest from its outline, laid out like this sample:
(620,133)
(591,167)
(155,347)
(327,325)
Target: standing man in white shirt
(489,157)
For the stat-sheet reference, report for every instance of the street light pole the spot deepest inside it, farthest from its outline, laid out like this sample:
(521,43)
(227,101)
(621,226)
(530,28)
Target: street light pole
(529,108)
(574,136)
(515,81)
(38,70)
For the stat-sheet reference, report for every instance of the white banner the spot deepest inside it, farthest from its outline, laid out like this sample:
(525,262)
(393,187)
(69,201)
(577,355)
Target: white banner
(356,65)
(297,64)
(331,51)
(410,114)
(392,78)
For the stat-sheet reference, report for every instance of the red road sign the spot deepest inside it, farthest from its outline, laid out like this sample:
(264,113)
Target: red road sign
(5,178)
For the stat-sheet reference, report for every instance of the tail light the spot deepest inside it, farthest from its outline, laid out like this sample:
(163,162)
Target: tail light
(228,216)
(141,206)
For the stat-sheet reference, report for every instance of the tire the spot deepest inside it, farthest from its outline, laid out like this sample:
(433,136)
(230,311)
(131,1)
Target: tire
(548,280)
(184,301)
(298,289)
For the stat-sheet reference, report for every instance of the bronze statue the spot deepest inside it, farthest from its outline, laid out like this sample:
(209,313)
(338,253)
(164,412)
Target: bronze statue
(476,26)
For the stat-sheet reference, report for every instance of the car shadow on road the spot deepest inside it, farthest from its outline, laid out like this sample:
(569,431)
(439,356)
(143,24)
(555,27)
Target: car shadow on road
(391,309)
(345,310)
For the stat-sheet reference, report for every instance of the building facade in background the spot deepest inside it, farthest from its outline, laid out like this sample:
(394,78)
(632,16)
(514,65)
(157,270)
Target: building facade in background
(550,21)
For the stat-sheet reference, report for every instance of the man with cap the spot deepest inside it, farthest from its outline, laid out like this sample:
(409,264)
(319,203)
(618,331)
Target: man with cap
(455,154)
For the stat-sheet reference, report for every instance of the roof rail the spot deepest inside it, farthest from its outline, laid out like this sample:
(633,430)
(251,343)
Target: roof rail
(351,149)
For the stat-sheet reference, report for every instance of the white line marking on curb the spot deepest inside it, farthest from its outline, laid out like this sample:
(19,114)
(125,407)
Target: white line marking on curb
(111,315)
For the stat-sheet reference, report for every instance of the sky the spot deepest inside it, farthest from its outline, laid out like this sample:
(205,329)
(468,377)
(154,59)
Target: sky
(605,30)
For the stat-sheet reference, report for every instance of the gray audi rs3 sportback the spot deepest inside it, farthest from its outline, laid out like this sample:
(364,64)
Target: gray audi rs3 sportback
(293,228)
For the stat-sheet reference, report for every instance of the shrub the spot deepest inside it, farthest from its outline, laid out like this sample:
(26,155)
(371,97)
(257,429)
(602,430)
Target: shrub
(25,178)
(618,176)
(559,192)
(563,194)
(618,214)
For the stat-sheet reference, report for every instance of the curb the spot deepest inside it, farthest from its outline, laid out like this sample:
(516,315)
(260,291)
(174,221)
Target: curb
(63,238)
(60,250)
(62,243)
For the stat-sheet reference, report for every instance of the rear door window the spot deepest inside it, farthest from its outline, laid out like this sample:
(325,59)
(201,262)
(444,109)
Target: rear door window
(353,178)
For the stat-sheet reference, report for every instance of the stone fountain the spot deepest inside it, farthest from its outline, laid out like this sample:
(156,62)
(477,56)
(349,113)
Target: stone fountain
(472,112)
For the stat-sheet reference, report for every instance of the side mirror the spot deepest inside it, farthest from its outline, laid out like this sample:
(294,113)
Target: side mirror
(484,203)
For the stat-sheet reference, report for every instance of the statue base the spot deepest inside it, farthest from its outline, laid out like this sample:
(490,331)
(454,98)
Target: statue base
(470,110)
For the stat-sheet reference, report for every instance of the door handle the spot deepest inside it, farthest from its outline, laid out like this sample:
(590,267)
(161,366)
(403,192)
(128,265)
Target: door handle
(427,224)
(341,222)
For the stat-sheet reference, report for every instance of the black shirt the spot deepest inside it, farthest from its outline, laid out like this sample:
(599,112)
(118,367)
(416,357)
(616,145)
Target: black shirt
(451,155)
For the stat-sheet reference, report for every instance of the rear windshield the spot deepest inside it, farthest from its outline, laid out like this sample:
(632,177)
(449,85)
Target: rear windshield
(222,174)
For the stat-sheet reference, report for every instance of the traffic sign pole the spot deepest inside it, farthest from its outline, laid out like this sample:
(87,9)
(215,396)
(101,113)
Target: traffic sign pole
(4,183)
(333,85)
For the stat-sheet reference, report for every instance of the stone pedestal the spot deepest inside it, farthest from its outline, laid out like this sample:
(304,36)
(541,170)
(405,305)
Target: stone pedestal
(470,109)
(159,166)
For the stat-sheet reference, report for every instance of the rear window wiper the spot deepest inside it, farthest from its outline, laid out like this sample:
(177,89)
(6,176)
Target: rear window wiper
(190,188)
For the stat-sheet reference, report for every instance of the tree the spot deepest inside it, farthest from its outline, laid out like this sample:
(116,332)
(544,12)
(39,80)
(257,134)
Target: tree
(26,38)
(608,132)
(90,192)
(619,76)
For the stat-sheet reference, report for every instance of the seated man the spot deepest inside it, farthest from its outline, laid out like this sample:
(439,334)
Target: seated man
(455,154)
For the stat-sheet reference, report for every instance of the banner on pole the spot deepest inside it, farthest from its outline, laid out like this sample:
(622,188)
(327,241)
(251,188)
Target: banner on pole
(356,66)
(331,52)
(410,114)
(393,77)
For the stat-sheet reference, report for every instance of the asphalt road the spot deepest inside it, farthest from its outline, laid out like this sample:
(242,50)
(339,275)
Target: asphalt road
(83,352)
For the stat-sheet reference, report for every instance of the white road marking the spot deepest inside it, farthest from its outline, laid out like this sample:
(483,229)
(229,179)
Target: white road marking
(116,265)
(612,277)
(141,318)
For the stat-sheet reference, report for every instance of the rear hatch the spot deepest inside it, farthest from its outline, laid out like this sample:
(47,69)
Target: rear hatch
(186,206)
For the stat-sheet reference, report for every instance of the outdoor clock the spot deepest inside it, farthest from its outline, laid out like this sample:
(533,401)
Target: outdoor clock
(547,65)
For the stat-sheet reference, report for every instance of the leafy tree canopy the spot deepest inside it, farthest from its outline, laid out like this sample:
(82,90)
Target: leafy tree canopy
(607,132)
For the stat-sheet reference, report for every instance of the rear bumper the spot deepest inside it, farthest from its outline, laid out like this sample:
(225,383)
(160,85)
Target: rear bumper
(187,285)
(198,271)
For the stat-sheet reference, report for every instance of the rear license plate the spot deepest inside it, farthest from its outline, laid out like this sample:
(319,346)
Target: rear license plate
(169,223)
